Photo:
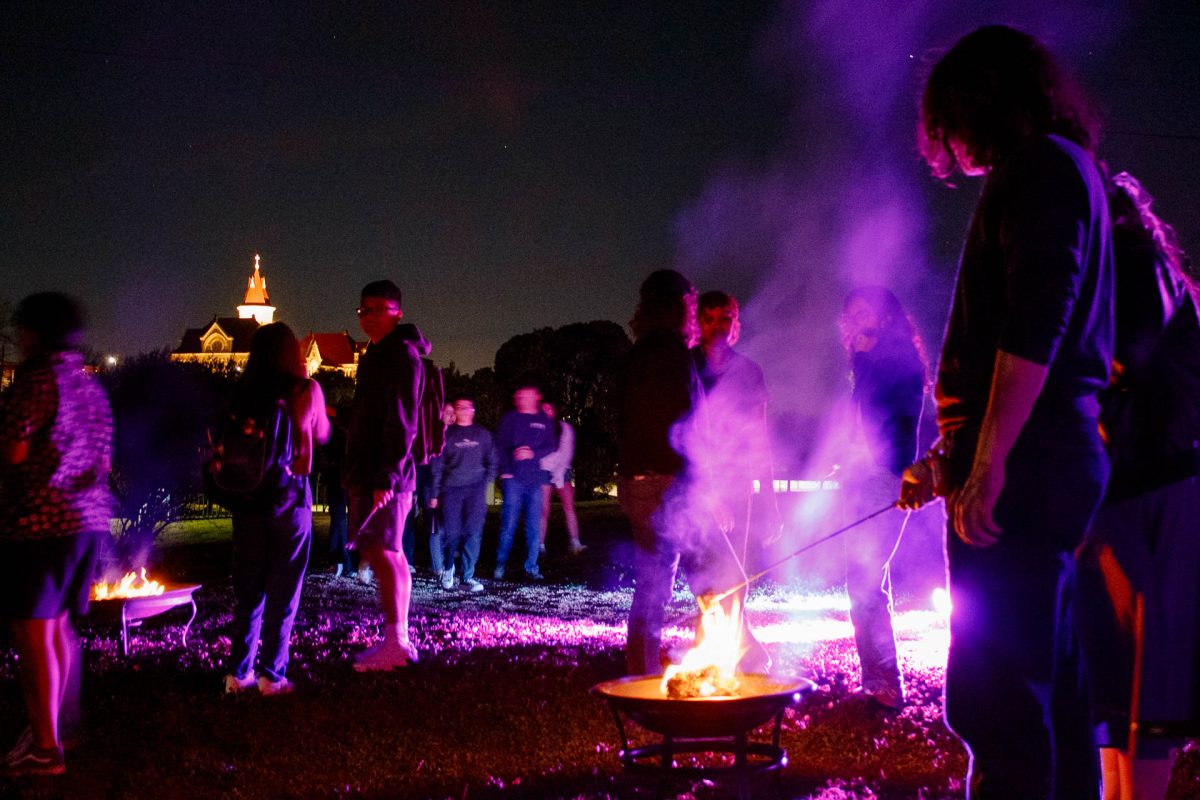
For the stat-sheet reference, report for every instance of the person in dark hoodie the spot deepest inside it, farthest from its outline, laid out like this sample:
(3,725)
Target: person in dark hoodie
(460,479)
(380,475)
(887,375)
(524,438)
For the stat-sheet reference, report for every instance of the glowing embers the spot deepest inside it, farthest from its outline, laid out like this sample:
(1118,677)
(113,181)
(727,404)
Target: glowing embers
(709,669)
(131,585)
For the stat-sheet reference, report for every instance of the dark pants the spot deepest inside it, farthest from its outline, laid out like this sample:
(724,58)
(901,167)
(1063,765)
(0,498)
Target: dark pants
(270,554)
(520,499)
(464,509)
(656,560)
(1015,691)
(339,528)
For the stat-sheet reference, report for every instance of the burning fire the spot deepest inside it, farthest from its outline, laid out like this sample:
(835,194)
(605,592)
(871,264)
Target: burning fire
(132,585)
(709,669)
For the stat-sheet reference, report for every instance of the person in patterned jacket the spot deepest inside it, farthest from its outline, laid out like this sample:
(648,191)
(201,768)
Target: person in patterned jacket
(55,452)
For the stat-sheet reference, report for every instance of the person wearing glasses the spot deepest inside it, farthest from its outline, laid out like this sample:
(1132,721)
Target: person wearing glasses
(380,476)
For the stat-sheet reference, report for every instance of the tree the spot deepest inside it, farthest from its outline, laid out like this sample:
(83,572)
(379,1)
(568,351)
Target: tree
(577,367)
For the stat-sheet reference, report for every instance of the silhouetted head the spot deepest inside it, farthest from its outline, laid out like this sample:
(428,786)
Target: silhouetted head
(49,322)
(994,88)
(666,301)
(379,309)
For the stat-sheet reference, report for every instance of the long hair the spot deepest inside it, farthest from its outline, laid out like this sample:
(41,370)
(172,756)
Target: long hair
(274,368)
(1130,206)
(897,333)
(666,301)
(995,87)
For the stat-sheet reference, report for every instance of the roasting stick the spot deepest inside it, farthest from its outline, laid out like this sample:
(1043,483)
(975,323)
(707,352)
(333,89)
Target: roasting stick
(350,545)
(708,601)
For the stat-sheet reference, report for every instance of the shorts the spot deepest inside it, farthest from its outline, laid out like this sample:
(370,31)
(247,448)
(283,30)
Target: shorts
(385,528)
(45,577)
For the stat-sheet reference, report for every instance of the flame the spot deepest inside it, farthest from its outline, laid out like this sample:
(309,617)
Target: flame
(132,585)
(711,664)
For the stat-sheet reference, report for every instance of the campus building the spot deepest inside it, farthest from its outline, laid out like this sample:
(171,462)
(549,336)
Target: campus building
(224,342)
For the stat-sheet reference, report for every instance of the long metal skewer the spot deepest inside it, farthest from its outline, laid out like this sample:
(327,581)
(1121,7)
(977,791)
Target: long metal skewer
(708,602)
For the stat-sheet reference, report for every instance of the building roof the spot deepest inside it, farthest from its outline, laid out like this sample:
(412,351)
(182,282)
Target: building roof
(335,348)
(241,331)
(256,288)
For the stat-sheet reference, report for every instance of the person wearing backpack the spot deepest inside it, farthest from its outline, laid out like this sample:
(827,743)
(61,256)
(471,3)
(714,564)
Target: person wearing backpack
(272,529)
(380,475)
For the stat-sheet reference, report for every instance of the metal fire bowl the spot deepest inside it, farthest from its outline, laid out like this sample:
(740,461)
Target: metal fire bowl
(760,698)
(132,610)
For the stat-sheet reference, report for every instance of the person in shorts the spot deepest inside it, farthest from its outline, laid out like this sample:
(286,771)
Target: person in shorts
(380,476)
(55,454)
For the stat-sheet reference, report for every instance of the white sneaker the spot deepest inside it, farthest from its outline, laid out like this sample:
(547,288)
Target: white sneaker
(365,575)
(269,688)
(575,548)
(385,657)
(235,685)
(448,579)
(473,586)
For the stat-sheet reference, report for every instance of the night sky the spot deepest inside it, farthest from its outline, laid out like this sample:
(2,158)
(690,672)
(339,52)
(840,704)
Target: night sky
(513,165)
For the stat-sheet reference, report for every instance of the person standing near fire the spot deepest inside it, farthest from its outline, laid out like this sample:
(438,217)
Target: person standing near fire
(737,446)
(658,389)
(55,455)
(1027,350)
(380,475)
(525,436)
(271,544)
(887,377)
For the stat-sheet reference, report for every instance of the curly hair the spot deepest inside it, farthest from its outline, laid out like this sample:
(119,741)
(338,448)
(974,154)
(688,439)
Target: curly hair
(666,301)
(994,87)
(1130,206)
(897,331)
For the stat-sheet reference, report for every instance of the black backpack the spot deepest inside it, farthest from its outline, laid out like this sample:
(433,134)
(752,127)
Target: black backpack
(248,470)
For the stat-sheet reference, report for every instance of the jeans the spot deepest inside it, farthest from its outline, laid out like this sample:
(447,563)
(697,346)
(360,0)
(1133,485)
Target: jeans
(1015,692)
(867,550)
(520,498)
(464,509)
(270,554)
(656,560)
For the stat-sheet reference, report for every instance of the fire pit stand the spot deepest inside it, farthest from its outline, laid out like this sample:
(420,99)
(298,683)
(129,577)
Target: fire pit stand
(717,726)
(134,610)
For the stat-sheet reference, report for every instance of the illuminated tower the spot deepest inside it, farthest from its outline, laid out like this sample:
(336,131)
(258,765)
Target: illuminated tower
(257,304)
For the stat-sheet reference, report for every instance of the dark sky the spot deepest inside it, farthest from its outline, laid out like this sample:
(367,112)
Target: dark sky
(510,164)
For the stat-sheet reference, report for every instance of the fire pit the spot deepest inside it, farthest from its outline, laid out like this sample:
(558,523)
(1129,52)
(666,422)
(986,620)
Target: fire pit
(133,610)
(717,725)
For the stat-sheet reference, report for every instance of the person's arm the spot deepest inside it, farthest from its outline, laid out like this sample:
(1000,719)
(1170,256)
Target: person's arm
(504,447)
(29,407)
(1016,384)
(312,426)
(489,456)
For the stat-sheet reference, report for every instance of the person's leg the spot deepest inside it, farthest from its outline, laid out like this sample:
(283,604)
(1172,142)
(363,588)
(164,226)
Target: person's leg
(41,676)
(567,496)
(655,564)
(474,512)
(338,530)
(249,587)
(409,539)
(395,578)
(532,502)
(437,540)
(290,541)
(545,521)
(509,514)
(453,526)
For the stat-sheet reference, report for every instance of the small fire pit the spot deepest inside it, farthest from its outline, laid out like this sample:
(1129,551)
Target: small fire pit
(134,600)
(717,725)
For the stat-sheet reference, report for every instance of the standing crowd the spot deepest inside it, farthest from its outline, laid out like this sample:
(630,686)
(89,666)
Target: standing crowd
(1068,457)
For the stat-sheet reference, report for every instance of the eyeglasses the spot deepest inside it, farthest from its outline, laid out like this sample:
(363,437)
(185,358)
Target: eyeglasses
(373,311)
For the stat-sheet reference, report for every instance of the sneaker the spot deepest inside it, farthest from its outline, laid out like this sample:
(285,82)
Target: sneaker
(534,576)
(365,575)
(576,548)
(234,684)
(270,688)
(24,743)
(498,574)
(448,579)
(35,761)
(886,698)
(542,551)
(473,586)
(387,656)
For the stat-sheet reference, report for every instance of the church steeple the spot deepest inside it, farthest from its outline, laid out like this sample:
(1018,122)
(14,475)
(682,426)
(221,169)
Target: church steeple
(257,303)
